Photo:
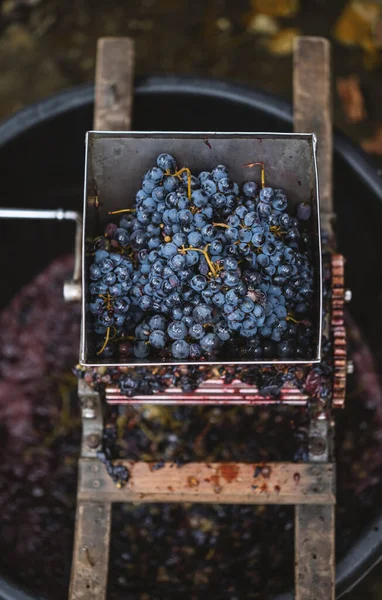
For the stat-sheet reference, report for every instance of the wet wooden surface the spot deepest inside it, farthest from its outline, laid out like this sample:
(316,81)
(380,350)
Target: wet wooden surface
(114,84)
(240,483)
(91,549)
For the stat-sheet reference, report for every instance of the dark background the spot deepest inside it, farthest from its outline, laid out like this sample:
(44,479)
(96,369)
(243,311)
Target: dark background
(49,45)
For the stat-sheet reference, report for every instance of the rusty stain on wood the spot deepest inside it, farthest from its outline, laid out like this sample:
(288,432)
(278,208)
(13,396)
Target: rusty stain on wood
(229,471)
(195,482)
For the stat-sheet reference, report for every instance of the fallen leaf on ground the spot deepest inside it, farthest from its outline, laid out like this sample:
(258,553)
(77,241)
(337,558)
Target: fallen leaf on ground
(282,42)
(349,91)
(276,8)
(262,25)
(355,27)
(378,33)
(374,144)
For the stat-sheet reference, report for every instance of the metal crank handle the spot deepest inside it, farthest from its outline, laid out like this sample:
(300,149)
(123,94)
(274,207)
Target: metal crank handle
(31,213)
(72,288)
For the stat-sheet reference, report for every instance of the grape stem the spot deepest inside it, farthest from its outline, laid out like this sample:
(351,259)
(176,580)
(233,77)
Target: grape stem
(260,164)
(178,174)
(277,230)
(221,225)
(107,298)
(107,336)
(290,318)
(183,250)
(123,210)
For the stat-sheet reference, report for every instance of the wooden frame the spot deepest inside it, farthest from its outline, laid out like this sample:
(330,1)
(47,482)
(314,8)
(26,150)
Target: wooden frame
(310,486)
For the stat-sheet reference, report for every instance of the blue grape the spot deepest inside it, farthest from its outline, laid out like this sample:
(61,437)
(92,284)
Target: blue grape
(304,211)
(180,349)
(155,174)
(218,299)
(198,282)
(140,350)
(148,186)
(166,162)
(210,343)
(209,187)
(170,184)
(266,195)
(218,200)
(100,255)
(177,330)
(222,331)
(219,172)
(195,351)
(250,189)
(196,331)
(202,314)
(157,339)
(225,185)
(204,175)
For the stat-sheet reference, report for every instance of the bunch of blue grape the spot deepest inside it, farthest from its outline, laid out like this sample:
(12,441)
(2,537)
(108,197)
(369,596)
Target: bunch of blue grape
(200,269)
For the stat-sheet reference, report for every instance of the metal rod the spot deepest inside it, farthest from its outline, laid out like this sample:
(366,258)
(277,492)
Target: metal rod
(77,250)
(30,213)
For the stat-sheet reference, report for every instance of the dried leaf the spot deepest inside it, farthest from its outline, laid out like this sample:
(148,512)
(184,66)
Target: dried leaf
(349,91)
(378,34)
(223,24)
(276,8)
(374,144)
(355,27)
(282,42)
(263,25)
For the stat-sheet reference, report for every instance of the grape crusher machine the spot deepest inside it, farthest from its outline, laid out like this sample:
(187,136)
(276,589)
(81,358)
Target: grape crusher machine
(310,486)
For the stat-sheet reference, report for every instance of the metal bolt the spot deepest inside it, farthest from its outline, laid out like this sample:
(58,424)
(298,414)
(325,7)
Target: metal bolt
(96,483)
(350,367)
(317,445)
(94,468)
(93,440)
(88,413)
(72,291)
(348,295)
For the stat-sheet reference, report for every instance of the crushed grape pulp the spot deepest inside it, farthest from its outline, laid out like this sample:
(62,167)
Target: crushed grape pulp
(157,551)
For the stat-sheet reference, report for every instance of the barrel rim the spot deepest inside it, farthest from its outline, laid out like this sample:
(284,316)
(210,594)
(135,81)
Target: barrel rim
(366,552)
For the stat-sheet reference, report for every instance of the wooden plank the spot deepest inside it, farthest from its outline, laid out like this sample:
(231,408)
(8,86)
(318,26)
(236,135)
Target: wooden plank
(92,420)
(90,561)
(114,84)
(312,103)
(314,553)
(240,483)
(91,550)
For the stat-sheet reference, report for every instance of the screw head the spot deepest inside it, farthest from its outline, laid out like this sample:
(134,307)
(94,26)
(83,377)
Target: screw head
(93,440)
(96,483)
(317,445)
(72,291)
(88,413)
(348,295)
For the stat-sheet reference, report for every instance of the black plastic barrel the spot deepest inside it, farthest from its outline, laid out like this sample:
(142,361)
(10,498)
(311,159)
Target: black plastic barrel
(41,166)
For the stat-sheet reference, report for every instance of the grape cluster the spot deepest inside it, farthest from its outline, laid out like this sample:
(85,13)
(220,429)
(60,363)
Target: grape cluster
(201,268)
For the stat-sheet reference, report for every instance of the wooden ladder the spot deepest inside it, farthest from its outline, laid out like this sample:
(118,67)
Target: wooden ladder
(309,486)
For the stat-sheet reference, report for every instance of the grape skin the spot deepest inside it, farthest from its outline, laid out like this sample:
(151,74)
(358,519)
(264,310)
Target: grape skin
(236,258)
